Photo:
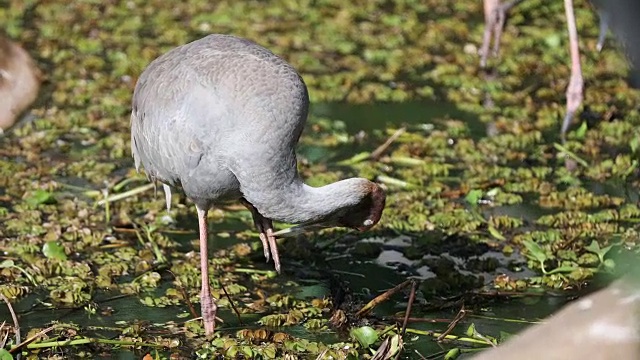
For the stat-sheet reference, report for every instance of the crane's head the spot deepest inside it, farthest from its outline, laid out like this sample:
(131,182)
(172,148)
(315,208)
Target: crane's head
(366,213)
(367,200)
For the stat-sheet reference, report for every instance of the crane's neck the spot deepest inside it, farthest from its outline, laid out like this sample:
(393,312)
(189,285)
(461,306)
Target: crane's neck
(295,202)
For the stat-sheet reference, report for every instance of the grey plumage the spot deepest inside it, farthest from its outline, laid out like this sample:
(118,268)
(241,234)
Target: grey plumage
(220,118)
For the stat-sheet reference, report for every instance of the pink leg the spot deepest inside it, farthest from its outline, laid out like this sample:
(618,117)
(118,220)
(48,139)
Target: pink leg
(207,304)
(574,90)
(495,15)
(490,21)
(265,229)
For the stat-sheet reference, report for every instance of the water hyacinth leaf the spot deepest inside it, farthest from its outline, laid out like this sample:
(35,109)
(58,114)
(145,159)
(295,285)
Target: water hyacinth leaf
(53,250)
(471,330)
(10,264)
(452,354)
(631,169)
(473,197)
(582,130)
(247,351)
(635,144)
(496,233)
(5,355)
(41,197)
(562,269)
(595,248)
(553,41)
(365,335)
(535,251)
(355,159)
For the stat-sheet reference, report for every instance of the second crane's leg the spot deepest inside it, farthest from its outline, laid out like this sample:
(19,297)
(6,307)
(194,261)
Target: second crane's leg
(273,245)
(257,221)
(207,304)
(167,196)
(495,14)
(265,226)
(490,20)
(574,90)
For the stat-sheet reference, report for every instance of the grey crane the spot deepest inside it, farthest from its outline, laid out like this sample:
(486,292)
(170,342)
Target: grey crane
(220,118)
(495,13)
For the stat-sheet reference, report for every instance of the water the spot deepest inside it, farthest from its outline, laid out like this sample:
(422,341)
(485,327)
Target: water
(379,116)
(366,277)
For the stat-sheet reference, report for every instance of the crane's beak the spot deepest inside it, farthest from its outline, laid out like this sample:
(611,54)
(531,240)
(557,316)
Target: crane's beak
(303,228)
(298,230)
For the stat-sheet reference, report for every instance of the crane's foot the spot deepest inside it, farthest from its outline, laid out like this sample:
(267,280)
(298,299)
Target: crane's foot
(208,309)
(265,229)
(269,244)
(265,244)
(273,246)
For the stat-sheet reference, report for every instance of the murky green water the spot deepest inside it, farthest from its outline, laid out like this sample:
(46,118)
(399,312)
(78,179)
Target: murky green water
(365,277)
(379,116)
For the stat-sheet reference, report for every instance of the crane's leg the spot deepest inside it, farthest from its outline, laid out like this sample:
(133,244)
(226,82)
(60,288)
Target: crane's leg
(575,88)
(207,304)
(265,229)
(167,196)
(495,15)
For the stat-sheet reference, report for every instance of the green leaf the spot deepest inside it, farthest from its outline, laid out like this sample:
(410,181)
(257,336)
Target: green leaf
(496,233)
(471,330)
(605,250)
(473,197)
(355,159)
(452,354)
(5,355)
(493,192)
(582,130)
(53,250)
(7,264)
(635,144)
(247,351)
(40,197)
(563,269)
(553,41)
(232,351)
(594,247)
(365,335)
(535,251)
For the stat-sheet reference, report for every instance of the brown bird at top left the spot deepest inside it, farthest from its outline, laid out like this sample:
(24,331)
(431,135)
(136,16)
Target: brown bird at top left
(19,82)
